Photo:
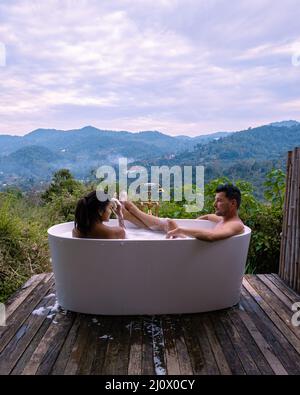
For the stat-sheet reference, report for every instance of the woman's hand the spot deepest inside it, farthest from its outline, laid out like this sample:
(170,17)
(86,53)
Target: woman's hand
(119,211)
(117,208)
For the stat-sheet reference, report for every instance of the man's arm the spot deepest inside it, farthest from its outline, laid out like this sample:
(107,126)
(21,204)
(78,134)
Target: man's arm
(227,230)
(211,217)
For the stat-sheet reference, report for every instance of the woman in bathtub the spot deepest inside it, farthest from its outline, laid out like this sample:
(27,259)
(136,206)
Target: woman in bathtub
(92,213)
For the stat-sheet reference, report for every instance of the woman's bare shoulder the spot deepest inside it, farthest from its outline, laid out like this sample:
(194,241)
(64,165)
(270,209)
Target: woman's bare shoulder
(102,231)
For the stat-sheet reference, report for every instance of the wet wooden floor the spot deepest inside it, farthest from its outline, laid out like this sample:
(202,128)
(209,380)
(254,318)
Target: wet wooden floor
(256,337)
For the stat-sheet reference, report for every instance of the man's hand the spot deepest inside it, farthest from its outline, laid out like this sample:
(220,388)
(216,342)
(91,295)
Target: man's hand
(171,224)
(175,233)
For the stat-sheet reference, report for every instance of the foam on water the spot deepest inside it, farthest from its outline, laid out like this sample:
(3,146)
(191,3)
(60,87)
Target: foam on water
(134,234)
(49,296)
(48,311)
(40,311)
(144,234)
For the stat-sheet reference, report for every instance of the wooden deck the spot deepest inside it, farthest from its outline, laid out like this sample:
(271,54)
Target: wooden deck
(256,337)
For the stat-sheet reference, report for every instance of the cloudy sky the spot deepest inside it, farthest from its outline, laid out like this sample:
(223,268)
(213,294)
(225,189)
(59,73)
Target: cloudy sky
(179,66)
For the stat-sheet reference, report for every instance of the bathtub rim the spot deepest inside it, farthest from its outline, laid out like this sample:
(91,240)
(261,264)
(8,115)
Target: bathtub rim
(51,233)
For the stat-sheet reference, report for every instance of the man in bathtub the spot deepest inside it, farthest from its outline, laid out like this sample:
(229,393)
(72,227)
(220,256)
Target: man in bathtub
(228,223)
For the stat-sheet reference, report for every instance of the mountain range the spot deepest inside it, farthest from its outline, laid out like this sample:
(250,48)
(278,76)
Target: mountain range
(29,160)
(38,154)
(249,154)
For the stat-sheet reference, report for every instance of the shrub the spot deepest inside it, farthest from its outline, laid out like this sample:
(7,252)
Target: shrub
(23,248)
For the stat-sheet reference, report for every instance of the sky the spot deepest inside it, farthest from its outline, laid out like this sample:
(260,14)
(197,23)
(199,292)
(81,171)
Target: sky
(183,67)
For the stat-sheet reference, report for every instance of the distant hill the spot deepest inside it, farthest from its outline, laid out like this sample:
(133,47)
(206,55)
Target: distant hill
(262,143)
(248,154)
(90,139)
(39,153)
(287,124)
(265,142)
(31,161)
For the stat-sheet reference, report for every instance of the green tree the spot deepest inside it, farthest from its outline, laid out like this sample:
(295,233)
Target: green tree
(275,188)
(62,196)
(62,182)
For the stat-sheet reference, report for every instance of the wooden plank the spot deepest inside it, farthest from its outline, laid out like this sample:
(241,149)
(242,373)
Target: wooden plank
(276,349)
(282,326)
(159,361)
(147,348)
(176,352)
(216,347)
(279,294)
(18,317)
(136,341)
(18,343)
(43,358)
(185,365)
(121,366)
(171,356)
(112,355)
(286,220)
(283,243)
(230,354)
(210,363)
(283,311)
(262,341)
(78,348)
(297,230)
(290,293)
(239,345)
(60,364)
(101,346)
(53,350)
(191,340)
(23,360)
(87,358)
(248,334)
(296,223)
(21,294)
(290,214)
(284,247)
(117,354)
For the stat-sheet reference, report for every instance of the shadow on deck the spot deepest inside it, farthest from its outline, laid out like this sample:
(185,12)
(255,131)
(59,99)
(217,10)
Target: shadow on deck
(255,337)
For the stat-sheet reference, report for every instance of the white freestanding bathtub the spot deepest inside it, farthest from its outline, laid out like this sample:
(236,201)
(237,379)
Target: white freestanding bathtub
(137,277)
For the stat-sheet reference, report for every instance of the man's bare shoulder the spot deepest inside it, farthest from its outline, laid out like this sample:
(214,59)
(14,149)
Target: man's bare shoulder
(236,226)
